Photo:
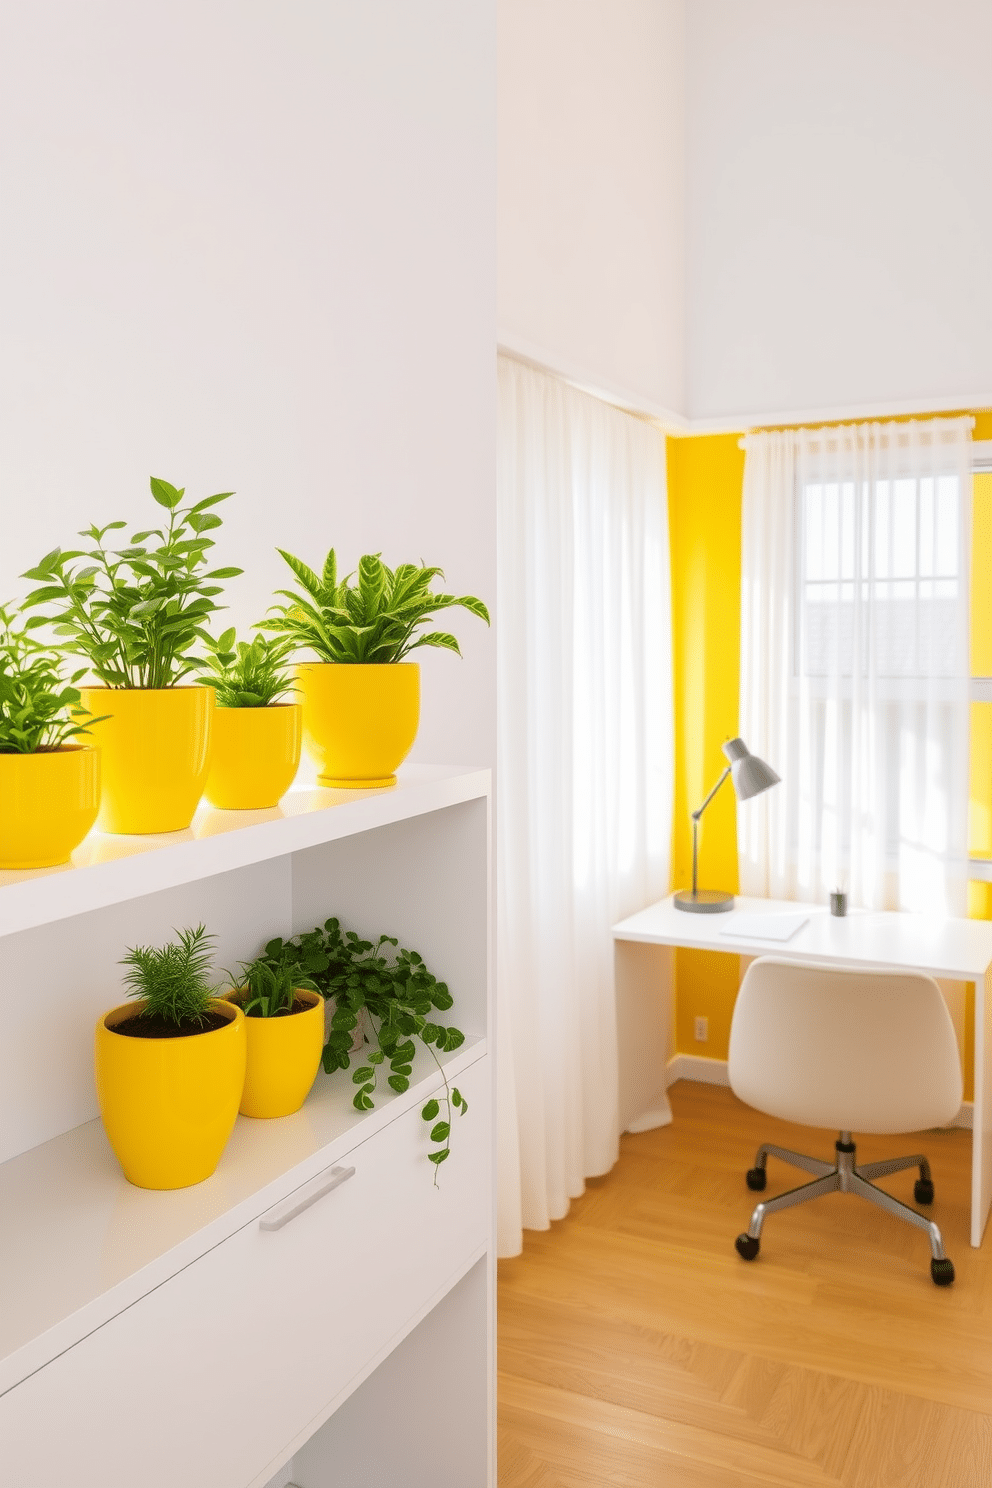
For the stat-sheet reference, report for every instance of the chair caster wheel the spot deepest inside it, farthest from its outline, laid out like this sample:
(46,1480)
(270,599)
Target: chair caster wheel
(942,1272)
(756,1179)
(748,1247)
(923,1191)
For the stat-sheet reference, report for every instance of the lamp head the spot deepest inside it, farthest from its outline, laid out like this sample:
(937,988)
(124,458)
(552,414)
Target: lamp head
(750,775)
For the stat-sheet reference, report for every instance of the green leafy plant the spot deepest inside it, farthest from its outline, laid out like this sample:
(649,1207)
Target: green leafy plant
(173,978)
(39,710)
(390,996)
(135,612)
(373,621)
(267,989)
(248,674)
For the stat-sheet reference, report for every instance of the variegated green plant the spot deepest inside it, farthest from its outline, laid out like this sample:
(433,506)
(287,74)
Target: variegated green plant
(377,619)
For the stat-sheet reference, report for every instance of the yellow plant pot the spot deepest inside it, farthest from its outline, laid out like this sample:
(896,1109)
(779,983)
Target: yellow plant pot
(169,1104)
(359,722)
(48,802)
(156,749)
(283,1058)
(254,756)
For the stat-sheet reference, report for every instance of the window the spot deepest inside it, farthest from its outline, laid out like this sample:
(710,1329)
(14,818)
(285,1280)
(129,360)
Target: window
(854,662)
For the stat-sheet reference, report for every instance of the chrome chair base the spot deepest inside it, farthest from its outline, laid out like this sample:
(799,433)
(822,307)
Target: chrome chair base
(845,1176)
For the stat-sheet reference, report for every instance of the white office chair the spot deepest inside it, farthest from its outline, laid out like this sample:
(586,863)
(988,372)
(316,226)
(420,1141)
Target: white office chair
(868,1051)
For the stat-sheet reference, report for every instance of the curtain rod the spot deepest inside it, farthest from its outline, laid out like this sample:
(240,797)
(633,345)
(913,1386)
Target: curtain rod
(828,429)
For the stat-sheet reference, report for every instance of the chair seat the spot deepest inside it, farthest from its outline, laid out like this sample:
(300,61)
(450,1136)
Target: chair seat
(865,1051)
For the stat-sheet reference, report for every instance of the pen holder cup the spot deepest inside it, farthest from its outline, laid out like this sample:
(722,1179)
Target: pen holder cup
(838,902)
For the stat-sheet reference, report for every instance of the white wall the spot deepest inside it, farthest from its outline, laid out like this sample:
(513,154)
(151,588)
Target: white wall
(839,222)
(590,192)
(250,245)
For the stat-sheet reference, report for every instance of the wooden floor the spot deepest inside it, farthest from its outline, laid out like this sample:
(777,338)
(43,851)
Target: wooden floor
(637,1349)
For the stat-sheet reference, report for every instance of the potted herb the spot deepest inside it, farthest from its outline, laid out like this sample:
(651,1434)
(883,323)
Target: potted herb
(49,782)
(256,736)
(170,1066)
(388,997)
(135,613)
(361,698)
(284,1025)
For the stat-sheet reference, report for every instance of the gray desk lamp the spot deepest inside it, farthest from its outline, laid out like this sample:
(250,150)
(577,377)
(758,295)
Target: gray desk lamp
(751,776)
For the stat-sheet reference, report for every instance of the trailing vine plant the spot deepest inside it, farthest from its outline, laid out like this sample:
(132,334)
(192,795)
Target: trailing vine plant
(390,995)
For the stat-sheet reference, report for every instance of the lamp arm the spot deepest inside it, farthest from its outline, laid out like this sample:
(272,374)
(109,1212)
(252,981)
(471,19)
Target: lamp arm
(700,809)
(695,828)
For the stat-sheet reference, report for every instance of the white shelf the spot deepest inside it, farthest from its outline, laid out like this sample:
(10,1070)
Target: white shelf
(108,869)
(78,1243)
(102,1283)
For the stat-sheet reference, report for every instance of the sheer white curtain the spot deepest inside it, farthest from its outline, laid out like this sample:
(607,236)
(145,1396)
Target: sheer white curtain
(855,662)
(584,768)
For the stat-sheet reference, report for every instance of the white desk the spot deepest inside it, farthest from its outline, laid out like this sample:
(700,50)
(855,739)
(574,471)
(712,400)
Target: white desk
(960,950)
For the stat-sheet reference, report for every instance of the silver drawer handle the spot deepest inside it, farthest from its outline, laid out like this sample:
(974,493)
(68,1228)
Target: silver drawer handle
(281,1214)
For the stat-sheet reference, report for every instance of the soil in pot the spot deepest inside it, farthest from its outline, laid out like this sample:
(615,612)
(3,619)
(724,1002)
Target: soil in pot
(156,1028)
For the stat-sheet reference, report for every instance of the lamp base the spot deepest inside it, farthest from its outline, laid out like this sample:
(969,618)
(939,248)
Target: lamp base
(704,901)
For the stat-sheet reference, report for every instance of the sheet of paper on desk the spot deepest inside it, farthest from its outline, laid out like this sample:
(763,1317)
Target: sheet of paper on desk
(746,926)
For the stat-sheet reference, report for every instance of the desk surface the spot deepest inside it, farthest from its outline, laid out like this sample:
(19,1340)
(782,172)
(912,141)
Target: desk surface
(958,949)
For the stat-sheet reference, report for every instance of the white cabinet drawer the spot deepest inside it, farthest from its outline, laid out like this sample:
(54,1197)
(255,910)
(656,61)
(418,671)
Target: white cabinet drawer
(208,1378)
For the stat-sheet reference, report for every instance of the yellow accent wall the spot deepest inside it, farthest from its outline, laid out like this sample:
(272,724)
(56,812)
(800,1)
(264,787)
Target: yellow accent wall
(705,483)
(980,793)
(705,479)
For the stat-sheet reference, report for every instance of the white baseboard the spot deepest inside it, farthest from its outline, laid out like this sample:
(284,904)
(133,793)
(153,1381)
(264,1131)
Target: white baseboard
(714,1072)
(694,1067)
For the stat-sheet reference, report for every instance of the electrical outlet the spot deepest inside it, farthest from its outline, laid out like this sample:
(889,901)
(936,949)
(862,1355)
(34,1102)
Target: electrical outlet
(702,1030)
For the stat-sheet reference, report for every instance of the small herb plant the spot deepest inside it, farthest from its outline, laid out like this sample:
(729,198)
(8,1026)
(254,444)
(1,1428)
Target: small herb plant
(373,621)
(248,674)
(173,979)
(39,710)
(269,988)
(391,995)
(135,612)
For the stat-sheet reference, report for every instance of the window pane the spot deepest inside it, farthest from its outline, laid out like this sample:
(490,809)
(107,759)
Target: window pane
(899,621)
(947,524)
(813,524)
(928,517)
(903,521)
(882,537)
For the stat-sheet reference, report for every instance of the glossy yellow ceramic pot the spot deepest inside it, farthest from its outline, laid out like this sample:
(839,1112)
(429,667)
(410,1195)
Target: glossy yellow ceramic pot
(156,749)
(48,802)
(254,756)
(283,1058)
(169,1104)
(359,722)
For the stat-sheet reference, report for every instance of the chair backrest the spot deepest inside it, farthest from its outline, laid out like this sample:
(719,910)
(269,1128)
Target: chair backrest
(858,1051)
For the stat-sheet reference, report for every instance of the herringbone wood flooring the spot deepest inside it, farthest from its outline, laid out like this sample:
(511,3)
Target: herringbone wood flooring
(637,1349)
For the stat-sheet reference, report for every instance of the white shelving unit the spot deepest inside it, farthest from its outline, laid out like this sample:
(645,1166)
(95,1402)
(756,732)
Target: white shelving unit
(164,1338)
